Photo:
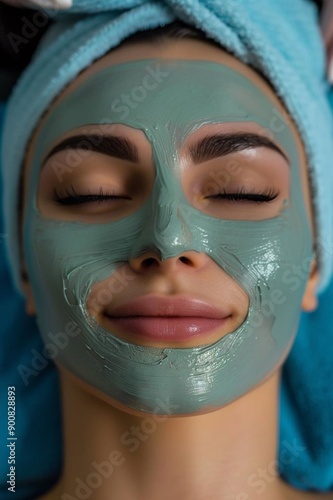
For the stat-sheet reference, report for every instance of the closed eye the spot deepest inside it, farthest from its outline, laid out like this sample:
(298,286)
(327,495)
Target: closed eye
(241,195)
(72,197)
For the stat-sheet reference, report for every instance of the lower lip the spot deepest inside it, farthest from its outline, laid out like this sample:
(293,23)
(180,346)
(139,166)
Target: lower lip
(166,328)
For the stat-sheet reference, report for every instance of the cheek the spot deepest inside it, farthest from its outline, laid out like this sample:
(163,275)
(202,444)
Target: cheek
(114,289)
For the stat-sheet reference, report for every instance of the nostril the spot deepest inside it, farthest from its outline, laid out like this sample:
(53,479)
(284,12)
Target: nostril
(151,261)
(148,262)
(185,260)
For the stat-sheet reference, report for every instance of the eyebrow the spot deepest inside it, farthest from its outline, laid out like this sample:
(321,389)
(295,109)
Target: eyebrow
(118,147)
(217,145)
(212,146)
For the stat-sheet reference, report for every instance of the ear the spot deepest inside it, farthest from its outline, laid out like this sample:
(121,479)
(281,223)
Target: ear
(310,301)
(29,299)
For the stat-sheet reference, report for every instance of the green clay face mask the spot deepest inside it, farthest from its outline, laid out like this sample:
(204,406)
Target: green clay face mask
(66,258)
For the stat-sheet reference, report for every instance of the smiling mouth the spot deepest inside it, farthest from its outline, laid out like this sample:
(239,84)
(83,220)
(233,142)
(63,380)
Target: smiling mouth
(165,319)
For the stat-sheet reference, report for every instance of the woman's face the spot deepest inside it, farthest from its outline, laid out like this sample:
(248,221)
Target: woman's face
(182,185)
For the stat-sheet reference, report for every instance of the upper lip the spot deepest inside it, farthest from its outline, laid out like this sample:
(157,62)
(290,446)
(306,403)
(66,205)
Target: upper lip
(152,305)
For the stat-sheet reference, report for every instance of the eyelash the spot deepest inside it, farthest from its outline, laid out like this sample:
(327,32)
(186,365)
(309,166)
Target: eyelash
(71,197)
(242,195)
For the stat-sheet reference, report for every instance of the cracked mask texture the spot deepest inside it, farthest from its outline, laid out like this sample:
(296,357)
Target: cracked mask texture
(65,258)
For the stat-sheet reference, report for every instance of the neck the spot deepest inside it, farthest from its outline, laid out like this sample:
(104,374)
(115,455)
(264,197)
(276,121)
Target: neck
(113,454)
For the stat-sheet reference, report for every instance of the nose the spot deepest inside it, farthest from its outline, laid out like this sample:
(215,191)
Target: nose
(166,226)
(150,260)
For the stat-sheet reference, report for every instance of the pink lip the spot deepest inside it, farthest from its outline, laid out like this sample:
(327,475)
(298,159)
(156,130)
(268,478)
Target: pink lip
(167,319)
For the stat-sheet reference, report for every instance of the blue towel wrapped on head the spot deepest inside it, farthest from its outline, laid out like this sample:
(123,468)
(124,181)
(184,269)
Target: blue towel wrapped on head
(281,41)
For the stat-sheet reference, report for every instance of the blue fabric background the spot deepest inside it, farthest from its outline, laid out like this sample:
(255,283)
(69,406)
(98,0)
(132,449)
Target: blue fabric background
(306,409)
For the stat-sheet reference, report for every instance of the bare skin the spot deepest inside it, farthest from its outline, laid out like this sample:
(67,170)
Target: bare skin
(211,456)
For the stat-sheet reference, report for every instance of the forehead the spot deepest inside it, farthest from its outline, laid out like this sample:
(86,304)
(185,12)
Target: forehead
(168,99)
(191,50)
(172,49)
